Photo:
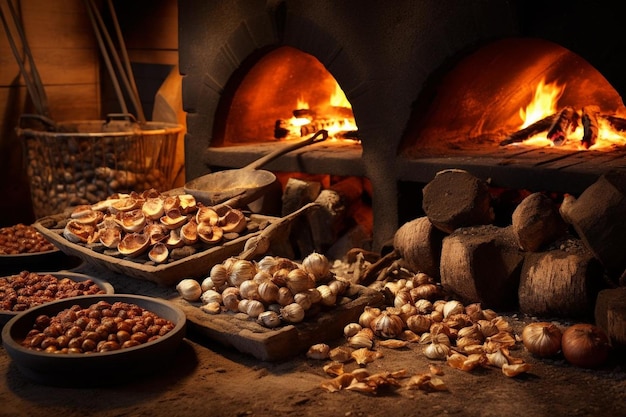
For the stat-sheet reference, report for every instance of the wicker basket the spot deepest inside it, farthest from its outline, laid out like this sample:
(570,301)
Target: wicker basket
(83,162)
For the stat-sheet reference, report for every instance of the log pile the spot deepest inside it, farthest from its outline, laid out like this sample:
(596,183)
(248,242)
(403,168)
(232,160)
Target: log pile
(552,260)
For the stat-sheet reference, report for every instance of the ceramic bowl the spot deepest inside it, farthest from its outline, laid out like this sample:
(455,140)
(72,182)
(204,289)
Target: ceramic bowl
(6,315)
(115,367)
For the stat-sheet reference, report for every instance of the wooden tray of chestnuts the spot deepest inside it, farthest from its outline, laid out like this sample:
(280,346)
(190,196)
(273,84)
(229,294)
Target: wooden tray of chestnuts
(152,236)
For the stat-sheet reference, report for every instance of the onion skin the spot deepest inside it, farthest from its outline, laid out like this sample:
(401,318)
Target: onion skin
(542,339)
(585,345)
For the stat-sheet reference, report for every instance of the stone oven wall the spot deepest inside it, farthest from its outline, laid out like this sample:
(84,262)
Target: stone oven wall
(384,55)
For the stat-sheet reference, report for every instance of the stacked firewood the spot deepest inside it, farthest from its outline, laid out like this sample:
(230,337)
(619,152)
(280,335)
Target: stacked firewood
(552,260)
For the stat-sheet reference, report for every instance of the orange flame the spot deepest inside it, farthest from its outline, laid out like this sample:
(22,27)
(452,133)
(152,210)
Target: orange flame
(544,104)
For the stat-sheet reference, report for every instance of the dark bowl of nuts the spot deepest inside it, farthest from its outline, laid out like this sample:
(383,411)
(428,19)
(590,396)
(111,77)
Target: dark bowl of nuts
(94,340)
(23,247)
(20,292)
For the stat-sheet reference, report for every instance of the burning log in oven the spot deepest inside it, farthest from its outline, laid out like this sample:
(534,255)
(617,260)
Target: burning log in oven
(561,127)
(337,120)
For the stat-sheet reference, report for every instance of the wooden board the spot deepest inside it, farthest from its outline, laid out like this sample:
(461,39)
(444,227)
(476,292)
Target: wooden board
(197,265)
(244,334)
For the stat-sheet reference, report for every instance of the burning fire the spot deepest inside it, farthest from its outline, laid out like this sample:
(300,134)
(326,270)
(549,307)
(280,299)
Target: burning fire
(544,104)
(336,118)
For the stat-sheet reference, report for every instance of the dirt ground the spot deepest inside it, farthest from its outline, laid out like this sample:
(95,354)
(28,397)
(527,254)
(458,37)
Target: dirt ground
(205,378)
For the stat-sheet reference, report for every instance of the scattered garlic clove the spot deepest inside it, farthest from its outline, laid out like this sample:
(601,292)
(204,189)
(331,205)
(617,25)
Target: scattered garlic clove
(189,289)
(318,351)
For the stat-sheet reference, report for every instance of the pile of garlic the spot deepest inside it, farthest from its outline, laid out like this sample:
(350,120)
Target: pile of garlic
(464,336)
(274,290)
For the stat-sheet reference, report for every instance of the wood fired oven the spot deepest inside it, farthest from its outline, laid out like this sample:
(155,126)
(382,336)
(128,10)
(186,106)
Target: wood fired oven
(431,85)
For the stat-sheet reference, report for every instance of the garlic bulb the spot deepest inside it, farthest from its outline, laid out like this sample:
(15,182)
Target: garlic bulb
(268,291)
(210,296)
(419,323)
(402,297)
(542,339)
(249,289)
(317,265)
(207,284)
(452,307)
(329,298)
(314,295)
(252,307)
(285,296)
(387,325)
(423,306)
(339,286)
(497,359)
(362,339)
(241,271)
(292,313)
(230,298)
(189,289)
(269,319)
(304,299)
(261,277)
(299,280)
(219,275)
(424,291)
(436,351)
(368,314)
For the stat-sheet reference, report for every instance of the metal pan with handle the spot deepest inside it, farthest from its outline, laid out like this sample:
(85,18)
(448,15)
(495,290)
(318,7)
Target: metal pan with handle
(243,184)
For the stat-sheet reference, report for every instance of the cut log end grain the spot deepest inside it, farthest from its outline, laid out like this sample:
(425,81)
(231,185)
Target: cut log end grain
(561,282)
(455,198)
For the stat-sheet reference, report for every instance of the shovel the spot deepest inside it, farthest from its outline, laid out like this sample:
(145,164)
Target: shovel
(235,186)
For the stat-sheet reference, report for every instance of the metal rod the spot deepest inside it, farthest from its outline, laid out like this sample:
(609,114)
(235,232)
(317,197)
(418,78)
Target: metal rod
(129,70)
(30,86)
(116,58)
(31,61)
(105,56)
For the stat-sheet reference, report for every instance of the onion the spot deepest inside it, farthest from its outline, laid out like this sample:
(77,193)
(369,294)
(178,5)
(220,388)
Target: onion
(585,345)
(542,339)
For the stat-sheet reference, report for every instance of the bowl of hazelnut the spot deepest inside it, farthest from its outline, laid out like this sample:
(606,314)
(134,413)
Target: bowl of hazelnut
(23,247)
(94,340)
(25,290)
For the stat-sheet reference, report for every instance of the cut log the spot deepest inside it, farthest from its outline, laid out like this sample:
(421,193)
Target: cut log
(618,123)
(598,218)
(529,131)
(298,193)
(419,244)
(561,282)
(482,264)
(536,222)
(334,216)
(455,198)
(563,126)
(590,125)
(610,315)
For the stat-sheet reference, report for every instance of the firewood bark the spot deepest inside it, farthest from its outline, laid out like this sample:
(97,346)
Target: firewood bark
(530,130)
(331,220)
(536,222)
(564,124)
(482,264)
(597,216)
(562,282)
(610,315)
(590,125)
(419,244)
(455,198)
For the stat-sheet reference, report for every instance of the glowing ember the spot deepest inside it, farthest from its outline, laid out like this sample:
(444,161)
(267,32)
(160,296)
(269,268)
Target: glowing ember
(544,104)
